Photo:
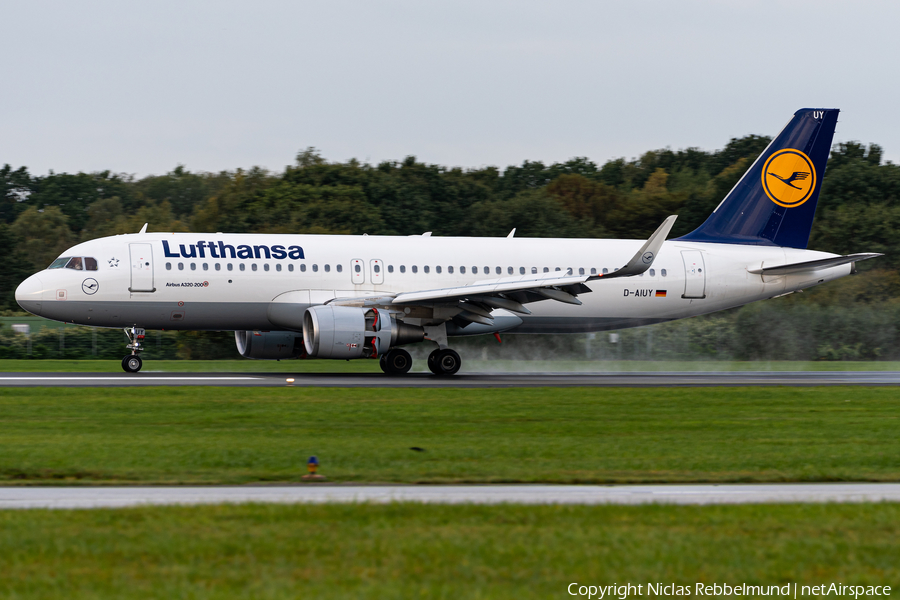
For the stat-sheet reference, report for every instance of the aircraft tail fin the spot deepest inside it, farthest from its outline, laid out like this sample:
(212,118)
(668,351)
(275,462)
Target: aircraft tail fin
(775,201)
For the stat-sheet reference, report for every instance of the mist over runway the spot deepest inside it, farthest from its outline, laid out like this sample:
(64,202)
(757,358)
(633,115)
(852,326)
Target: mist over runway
(464,380)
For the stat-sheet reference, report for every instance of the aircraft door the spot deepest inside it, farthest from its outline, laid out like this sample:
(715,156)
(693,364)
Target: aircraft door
(357,271)
(377,271)
(694,274)
(141,256)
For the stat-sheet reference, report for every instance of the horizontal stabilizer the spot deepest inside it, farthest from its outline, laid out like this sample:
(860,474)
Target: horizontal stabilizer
(812,265)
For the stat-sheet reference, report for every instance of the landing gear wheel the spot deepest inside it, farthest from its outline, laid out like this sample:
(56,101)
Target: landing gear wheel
(396,362)
(132,363)
(444,362)
(432,362)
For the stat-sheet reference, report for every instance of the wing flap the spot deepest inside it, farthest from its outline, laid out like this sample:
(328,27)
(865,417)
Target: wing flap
(489,288)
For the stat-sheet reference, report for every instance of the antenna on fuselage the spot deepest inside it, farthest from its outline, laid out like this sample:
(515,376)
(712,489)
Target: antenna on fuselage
(512,233)
(144,228)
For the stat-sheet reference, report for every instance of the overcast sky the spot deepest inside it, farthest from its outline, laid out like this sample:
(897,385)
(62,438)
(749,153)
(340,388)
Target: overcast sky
(141,87)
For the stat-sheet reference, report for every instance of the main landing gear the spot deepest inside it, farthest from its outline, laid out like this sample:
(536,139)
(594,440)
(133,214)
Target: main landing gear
(133,363)
(444,362)
(396,362)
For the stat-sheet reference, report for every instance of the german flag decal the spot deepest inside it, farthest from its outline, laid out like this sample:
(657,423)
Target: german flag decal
(660,293)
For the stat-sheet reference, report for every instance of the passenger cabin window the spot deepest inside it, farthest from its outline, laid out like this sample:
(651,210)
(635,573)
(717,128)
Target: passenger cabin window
(581,270)
(390,268)
(230,267)
(437,269)
(357,268)
(426,268)
(377,268)
(403,268)
(462,270)
(605,270)
(662,272)
(291,268)
(652,272)
(534,270)
(546,269)
(218,266)
(193,266)
(415,269)
(339,268)
(510,270)
(498,270)
(253,266)
(266,267)
(242,266)
(168,266)
(475,270)
(278,267)
(450,270)
(303,267)
(327,268)
(593,270)
(206,266)
(315,268)
(181,266)
(521,270)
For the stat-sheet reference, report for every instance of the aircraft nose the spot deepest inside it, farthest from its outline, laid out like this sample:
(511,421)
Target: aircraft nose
(28,294)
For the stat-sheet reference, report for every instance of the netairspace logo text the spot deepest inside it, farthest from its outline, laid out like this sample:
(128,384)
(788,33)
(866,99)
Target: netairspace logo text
(789,590)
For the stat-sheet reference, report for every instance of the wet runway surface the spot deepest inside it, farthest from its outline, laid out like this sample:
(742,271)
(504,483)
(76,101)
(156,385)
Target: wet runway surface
(118,497)
(465,380)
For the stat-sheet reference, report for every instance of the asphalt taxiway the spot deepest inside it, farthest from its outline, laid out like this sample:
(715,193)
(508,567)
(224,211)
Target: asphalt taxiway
(464,380)
(120,497)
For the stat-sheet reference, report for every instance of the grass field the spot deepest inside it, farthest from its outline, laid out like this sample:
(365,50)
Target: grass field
(578,435)
(418,551)
(469,366)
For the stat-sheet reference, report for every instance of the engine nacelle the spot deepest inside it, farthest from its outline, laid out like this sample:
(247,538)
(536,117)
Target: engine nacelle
(269,345)
(346,332)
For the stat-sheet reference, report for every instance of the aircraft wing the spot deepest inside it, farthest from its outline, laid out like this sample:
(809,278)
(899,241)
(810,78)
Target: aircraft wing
(476,300)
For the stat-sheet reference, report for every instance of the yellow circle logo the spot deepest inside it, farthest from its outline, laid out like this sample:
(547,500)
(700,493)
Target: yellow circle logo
(789,178)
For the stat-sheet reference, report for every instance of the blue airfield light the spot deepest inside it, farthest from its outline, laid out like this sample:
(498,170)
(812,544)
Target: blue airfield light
(312,465)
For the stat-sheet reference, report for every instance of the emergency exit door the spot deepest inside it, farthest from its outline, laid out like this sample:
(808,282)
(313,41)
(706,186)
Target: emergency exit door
(377,276)
(141,256)
(357,271)
(694,274)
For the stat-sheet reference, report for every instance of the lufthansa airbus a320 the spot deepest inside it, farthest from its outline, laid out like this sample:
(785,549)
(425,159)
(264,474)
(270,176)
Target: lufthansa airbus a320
(349,297)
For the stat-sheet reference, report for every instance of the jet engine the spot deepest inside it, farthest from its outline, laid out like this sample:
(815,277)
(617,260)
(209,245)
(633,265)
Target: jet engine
(351,332)
(269,345)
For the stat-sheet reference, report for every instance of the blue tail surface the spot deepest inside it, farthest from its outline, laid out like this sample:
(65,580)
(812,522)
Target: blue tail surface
(775,201)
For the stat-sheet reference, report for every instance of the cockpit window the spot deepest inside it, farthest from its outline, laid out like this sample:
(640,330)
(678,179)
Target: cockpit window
(79,263)
(76,263)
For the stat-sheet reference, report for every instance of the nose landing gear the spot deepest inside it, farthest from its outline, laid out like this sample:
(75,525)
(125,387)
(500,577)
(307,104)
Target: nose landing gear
(133,363)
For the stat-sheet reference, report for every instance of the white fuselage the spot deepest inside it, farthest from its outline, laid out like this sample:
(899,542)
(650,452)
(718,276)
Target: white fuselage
(140,282)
